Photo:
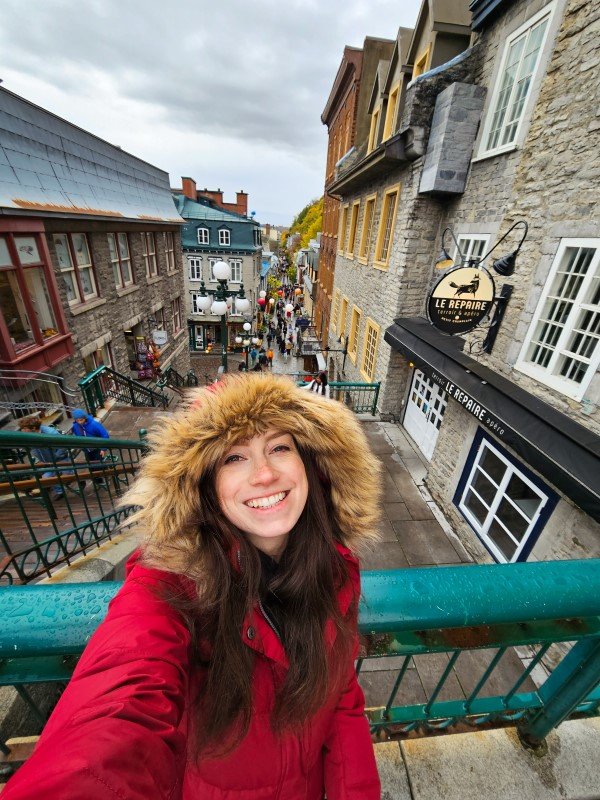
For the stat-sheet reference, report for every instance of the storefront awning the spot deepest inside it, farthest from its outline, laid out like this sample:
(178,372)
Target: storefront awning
(565,453)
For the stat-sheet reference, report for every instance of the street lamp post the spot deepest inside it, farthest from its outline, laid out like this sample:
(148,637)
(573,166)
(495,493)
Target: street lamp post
(216,302)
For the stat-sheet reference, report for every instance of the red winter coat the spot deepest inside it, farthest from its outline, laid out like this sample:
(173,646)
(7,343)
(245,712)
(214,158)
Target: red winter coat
(120,729)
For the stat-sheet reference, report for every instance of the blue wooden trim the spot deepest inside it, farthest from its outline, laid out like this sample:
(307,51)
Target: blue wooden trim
(485,11)
(547,511)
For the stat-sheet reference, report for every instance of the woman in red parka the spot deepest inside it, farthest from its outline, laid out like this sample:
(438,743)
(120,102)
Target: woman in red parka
(224,668)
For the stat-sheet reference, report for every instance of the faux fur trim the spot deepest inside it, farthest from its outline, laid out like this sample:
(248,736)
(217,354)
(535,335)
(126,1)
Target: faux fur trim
(187,443)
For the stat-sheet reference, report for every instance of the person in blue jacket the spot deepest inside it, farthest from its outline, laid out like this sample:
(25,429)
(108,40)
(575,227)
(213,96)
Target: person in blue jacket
(85,425)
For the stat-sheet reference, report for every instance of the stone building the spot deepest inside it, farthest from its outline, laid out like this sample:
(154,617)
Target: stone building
(90,256)
(508,422)
(213,234)
(345,117)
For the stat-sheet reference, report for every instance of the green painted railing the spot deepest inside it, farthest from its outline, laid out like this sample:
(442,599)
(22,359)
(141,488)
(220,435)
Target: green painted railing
(410,613)
(58,497)
(105,383)
(360,397)
(170,377)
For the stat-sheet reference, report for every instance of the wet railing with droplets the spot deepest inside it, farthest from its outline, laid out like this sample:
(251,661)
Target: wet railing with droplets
(59,499)
(542,618)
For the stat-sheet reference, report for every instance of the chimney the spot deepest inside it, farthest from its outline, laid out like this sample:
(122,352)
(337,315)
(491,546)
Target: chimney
(189,188)
(268,231)
(241,201)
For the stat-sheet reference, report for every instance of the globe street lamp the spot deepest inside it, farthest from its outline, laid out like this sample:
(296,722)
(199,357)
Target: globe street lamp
(219,300)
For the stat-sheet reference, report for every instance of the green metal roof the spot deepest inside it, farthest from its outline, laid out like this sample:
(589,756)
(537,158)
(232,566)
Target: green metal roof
(190,209)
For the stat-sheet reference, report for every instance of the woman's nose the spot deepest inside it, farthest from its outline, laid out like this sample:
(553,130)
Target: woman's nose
(262,472)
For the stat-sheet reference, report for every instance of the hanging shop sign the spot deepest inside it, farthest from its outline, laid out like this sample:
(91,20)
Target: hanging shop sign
(461,299)
(159,337)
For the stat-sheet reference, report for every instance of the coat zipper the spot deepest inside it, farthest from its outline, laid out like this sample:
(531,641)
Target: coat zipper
(270,623)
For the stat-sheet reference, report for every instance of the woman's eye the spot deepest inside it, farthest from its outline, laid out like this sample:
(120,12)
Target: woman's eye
(232,459)
(281,448)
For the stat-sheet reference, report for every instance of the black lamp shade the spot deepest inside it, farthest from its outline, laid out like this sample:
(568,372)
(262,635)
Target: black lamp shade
(505,265)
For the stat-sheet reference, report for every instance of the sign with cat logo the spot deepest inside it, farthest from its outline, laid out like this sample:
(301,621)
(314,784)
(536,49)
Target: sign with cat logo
(461,299)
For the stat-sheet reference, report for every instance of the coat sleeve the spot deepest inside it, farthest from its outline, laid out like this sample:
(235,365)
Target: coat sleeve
(115,732)
(349,760)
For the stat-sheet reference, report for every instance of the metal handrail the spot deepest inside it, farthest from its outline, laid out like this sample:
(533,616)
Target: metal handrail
(104,383)
(59,498)
(360,397)
(408,613)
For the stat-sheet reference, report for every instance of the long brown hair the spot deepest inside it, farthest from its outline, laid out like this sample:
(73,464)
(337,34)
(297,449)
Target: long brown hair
(310,573)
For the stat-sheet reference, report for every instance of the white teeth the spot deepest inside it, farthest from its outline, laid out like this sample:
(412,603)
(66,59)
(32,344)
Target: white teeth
(266,502)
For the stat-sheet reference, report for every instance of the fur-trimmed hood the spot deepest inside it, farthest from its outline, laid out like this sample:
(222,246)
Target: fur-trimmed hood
(186,444)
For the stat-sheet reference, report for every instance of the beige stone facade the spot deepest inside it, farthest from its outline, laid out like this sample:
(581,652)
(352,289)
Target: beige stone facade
(546,175)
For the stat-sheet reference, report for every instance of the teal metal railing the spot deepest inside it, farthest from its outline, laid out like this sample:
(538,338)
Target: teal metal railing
(170,377)
(58,497)
(105,383)
(410,613)
(360,397)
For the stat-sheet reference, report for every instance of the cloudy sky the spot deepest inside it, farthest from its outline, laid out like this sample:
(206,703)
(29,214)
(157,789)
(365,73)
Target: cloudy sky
(227,92)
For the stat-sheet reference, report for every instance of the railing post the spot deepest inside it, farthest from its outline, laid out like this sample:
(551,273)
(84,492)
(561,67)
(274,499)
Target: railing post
(568,686)
(376,398)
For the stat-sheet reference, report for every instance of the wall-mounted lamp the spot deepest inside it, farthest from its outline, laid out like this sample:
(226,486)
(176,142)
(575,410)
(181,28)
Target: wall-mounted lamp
(444,261)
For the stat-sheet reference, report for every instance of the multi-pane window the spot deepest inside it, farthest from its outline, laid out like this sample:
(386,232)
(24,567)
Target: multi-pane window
(353,336)
(471,246)
(343,315)
(159,316)
(390,114)
(373,132)
(211,266)
(176,314)
(342,231)
(335,315)
(367,228)
(519,64)
(500,502)
(149,254)
(169,251)
(386,226)
(421,63)
(224,237)
(562,348)
(195,307)
(120,258)
(353,224)
(25,299)
(75,264)
(369,359)
(195,269)
(203,236)
(236,270)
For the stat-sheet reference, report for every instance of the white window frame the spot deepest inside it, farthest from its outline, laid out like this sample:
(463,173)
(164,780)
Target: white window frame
(203,235)
(224,237)
(236,270)
(545,374)
(169,243)
(482,528)
(195,268)
(119,260)
(75,269)
(211,265)
(195,309)
(523,30)
(149,254)
(471,240)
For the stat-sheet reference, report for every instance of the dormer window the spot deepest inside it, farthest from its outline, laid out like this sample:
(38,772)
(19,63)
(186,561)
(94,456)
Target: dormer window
(422,63)
(373,133)
(203,236)
(224,237)
(390,115)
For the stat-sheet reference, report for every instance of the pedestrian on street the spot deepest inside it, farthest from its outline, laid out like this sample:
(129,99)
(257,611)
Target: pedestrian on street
(282,346)
(85,425)
(270,356)
(47,455)
(253,355)
(319,384)
(288,349)
(225,664)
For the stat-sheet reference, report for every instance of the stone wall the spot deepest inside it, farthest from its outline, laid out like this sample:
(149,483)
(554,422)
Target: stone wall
(103,320)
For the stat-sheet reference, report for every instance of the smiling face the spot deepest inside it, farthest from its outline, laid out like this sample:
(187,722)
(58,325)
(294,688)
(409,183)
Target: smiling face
(262,488)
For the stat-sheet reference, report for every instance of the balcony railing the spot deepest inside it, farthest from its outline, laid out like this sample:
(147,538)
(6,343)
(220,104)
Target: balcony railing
(463,612)
(105,383)
(359,397)
(58,497)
